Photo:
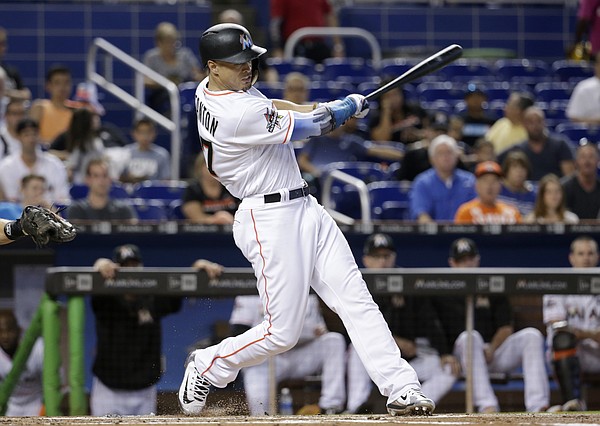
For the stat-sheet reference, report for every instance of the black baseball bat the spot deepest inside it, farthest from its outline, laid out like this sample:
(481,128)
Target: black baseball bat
(426,66)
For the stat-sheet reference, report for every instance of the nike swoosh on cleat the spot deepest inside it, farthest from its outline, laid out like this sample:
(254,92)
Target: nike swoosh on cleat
(185,398)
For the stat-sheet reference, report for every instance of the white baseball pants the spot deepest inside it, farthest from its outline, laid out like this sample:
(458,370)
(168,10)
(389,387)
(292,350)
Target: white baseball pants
(523,348)
(106,401)
(293,245)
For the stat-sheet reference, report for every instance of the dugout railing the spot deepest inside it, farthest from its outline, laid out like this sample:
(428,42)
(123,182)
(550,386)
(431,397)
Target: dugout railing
(76,283)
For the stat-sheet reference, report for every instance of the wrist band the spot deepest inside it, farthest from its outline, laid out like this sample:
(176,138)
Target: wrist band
(13,230)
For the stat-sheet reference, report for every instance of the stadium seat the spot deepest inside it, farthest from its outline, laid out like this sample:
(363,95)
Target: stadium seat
(528,71)
(574,132)
(498,91)
(187,94)
(353,70)
(299,64)
(174,211)
(149,210)
(80,190)
(392,193)
(572,71)
(325,91)
(468,70)
(165,191)
(447,91)
(552,91)
(272,90)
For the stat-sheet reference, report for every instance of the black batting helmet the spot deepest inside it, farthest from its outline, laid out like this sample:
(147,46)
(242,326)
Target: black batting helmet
(228,43)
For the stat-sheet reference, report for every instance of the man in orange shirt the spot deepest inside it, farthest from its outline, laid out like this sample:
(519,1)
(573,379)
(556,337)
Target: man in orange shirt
(486,209)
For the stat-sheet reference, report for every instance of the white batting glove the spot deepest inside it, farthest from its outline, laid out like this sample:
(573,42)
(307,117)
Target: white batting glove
(362,105)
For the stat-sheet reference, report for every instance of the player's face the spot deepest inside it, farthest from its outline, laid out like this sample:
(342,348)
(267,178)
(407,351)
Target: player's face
(584,254)
(226,76)
(380,258)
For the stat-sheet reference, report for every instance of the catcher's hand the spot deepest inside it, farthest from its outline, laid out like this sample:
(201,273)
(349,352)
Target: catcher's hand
(43,226)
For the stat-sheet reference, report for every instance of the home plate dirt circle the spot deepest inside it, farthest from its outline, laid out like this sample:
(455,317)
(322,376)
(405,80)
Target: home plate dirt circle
(338,420)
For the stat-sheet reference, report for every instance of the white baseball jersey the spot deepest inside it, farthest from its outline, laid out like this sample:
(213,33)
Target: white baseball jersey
(26,399)
(292,244)
(246,141)
(580,311)
(584,102)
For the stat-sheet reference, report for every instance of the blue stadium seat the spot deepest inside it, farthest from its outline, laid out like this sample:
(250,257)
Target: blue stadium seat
(528,71)
(80,190)
(552,91)
(353,70)
(367,87)
(272,90)
(446,91)
(572,71)
(468,70)
(574,132)
(395,67)
(149,210)
(364,170)
(325,91)
(174,211)
(284,67)
(187,94)
(394,195)
(498,91)
(165,191)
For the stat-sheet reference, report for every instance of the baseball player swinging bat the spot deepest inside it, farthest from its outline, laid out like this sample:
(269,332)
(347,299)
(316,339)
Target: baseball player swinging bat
(426,66)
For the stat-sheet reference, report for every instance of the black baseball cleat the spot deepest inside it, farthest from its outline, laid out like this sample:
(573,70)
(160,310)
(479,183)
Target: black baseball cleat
(193,390)
(411,402)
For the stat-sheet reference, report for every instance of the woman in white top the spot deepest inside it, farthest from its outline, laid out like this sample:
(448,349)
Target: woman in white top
(550,203)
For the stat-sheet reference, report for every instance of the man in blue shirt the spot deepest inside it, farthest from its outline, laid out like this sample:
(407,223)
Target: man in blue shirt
(437,192)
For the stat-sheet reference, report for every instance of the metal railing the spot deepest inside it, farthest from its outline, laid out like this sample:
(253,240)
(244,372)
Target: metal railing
(136,101)
(296,36)
(363,195)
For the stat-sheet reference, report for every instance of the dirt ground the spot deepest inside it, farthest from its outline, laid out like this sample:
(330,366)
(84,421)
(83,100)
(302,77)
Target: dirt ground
(340,420)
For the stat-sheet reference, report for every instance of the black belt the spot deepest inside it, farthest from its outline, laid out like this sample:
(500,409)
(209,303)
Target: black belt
(294,193)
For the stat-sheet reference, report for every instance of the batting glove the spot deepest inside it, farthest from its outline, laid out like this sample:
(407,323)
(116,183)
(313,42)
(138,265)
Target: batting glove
(362,105)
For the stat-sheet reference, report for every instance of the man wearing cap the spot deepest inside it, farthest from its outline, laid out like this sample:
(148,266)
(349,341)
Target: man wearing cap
(416,329)
(437,193)
(476,119)
(497,348)
(486,209)
(128,347)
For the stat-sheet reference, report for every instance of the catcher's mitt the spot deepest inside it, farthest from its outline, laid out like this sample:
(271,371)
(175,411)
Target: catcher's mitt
(43,226)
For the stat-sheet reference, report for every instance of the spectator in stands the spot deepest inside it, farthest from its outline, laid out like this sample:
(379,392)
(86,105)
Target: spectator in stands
(396,119)
(15,88)
(53,114)
(416,329)
(127,364)
(550,203)
(477,121)
(147,161)
(416,158)
(547,153)
(171,60)
(582,188)
(98,206)
(206,200)
(26,398)
(296,88)
(588,27)
(318,351)
(437,193)
(9,141)
(486,209)
(288,16)
(32,160)
(497,347)
(483,150)
(516,189)
(79,144)
(573,330)
(510,129)
(583,104)
(33,192)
